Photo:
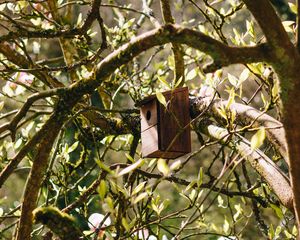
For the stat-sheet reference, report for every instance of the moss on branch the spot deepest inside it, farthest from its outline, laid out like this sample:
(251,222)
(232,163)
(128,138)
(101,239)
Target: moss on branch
(62,224)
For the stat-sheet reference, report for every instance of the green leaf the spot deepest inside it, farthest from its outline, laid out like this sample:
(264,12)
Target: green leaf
(1,105)
(192,74)
(178,82)
(193,194)
(108,204)
(293,7)
(73,147)
(130,168)
(163,167)
(200,177)
(161,98)
(125,224)
(171,62)
(140,197)
(103,166)
(175,165)
(250,29)
(102,189)
(271,232)
(277,210)
(233,80)
(258,138)
(138,188)
(164,81)
(220,202)
(221,110)
(129,157)
(275,89)
(244,75)
(18,143)
(230,99)
(226,226)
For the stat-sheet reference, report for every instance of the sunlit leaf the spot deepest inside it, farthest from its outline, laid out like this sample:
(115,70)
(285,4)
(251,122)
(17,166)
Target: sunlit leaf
(73,147)
(192,74)
(129,157)
(1,105)
(258,138)
(125,224)
(2,6)
(140,197)
(233,80)
(230,99)
(163,80)
(130,168)
(226,226)
(175,165)
(102,189)
(244,75)
(293,7)
(275,89)
(138,188)
(161,98)
(163,167)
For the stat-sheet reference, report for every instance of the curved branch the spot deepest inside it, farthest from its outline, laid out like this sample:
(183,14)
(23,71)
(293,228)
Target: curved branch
(222,54)
(247,115)
(261,163)
(270,23)
(21,61)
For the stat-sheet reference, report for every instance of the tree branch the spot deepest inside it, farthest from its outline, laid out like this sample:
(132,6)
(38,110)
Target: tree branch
(37,173)
(247,116)
(270,23)
(62,224)
(21,61)
(177,49)
(12,125)
(261,163)
(222,54)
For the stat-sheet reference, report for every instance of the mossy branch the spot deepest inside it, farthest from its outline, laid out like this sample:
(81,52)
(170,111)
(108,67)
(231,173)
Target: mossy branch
(62,224)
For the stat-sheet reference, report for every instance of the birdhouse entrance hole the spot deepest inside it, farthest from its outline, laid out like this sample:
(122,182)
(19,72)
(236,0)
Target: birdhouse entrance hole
(148,115)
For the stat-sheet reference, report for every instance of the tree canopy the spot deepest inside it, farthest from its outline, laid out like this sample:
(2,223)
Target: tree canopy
(73,75)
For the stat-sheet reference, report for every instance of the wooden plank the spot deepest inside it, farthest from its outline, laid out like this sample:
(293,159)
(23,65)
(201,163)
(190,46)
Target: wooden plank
(148,115)
(149,141)
(166,155)
(173,120)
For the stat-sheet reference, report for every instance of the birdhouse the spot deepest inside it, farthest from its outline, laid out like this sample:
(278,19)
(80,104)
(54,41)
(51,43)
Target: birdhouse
(165,130)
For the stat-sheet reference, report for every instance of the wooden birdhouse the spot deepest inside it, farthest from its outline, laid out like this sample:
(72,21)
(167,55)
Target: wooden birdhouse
(165,130)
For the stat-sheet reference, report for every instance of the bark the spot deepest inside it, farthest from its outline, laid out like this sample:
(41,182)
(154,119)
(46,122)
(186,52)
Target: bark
(36,176)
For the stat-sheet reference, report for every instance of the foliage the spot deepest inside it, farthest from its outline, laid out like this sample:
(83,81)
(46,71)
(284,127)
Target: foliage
(72,75)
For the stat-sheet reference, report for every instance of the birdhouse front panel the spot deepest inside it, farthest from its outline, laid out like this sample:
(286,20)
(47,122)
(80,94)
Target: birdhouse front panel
(166,130)
(175,122)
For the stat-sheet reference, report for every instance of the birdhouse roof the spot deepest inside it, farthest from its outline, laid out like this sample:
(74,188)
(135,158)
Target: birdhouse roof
(151,97)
